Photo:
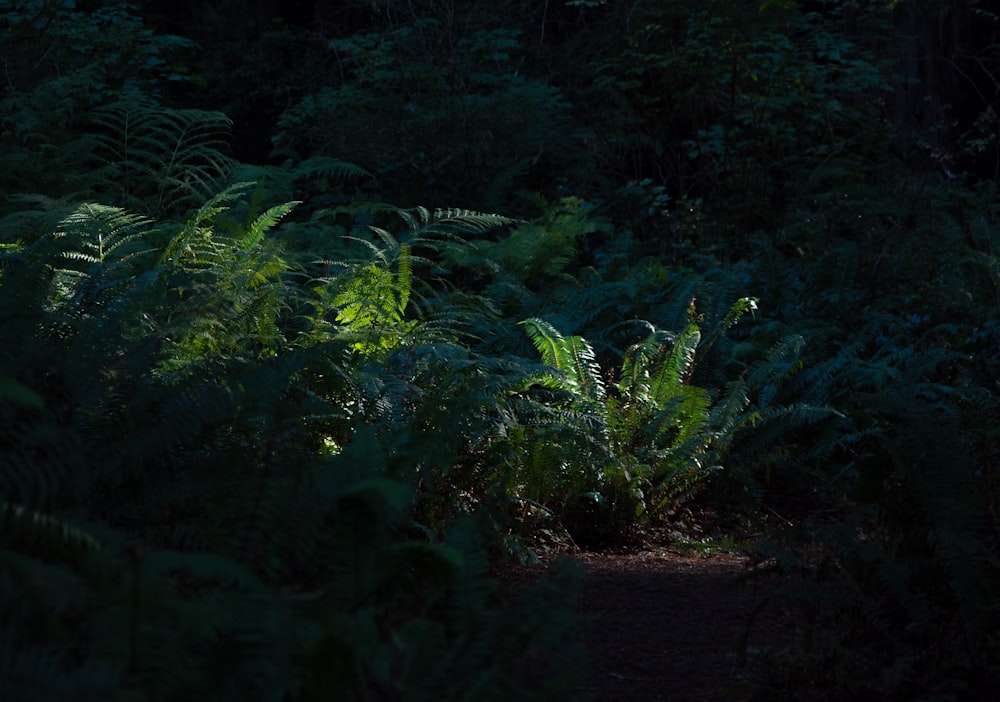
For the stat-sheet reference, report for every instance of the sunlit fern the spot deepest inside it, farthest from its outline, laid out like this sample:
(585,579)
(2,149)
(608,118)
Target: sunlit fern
(180,535)
(657,430)
(368,293)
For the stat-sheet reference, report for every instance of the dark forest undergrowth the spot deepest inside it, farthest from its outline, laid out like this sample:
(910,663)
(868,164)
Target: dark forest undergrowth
(315,318)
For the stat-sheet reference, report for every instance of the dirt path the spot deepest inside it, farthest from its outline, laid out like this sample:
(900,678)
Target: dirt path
(665,627)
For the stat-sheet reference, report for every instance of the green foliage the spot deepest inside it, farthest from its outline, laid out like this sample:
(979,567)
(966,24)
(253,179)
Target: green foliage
(902,598)
(45,38)
(375,297)
(729,98)
(650,440)
(364,293)
(170,514)
(424,78)
(536,251)
(573,358)
(155,156)
(320,180)
(61,61)
(256,432)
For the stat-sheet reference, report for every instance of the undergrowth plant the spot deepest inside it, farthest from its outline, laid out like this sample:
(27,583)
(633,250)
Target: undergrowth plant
(895,542)
(191,502)
(259,433)
(453,78)
(649,441)
(153,157)
(898,596)
(62,62)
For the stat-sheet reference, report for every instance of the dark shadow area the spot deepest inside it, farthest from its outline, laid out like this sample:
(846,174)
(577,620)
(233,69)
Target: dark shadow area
(670,628)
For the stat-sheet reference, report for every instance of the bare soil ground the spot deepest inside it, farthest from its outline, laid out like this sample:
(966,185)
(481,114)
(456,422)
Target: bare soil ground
(661,626)
(667,617)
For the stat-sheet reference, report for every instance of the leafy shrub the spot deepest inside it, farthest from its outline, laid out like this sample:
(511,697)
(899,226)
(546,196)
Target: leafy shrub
(423,82)
(62,61)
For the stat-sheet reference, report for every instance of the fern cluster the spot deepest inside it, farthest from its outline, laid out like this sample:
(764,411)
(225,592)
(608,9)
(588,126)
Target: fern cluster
(900,568)
(257,430)
(172,508)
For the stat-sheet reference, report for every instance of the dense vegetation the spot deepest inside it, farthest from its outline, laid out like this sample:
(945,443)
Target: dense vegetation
(262,433)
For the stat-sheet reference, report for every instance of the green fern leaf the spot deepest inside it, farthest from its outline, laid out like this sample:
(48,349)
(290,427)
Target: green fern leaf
(264,223)
(732,316)
(573,357)
(100,231)
(674,370)
(44,536)
(328,168)
(194,244)
(549,343)
(160,157)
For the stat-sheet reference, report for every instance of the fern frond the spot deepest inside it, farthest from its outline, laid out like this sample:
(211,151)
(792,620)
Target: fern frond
(466,221)
(328,168)
(100,231)
(404,276)
(573,357)
(193,245)
(424,226)
(634,376)
(586,369)
(726,415)
(264,223)
(371,300)
(781,361)
(44,536)
(160,157)
(549,343)
(733,315)
(675,367)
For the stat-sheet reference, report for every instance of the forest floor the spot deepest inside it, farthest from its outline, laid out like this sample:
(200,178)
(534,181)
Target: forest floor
(661,624)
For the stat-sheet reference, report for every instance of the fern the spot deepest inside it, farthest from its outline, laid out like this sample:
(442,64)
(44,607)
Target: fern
(921,570)
(675,369)
(266,221)
(108,229)
(152,157)
(656,429)
(318,182)
(103,250)
(193,244)
(370,299)
(324,167)
(371,303)
(572,356)
(172,501)
(421,222)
